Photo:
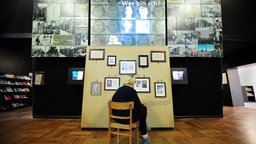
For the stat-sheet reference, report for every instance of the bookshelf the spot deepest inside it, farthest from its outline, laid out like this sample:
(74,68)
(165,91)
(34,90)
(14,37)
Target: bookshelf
(248,93)
(14,91)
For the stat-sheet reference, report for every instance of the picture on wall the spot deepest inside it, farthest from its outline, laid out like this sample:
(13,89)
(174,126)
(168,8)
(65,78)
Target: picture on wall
(96,88)
(194,28)
(143,60)
(142,84)
(111,60)
(160,90)
(127,67)
(59,29)
(158,56)
(96,54)
(111,83)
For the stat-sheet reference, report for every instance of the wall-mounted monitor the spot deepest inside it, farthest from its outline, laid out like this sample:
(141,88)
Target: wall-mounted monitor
(76,75)
(179,75)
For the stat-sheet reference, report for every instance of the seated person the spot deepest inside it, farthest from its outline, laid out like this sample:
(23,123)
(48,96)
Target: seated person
(128,93)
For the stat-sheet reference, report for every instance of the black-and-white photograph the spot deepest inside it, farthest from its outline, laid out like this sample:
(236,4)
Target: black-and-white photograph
(38,51)
(158,40)
(81,36)
(98,12)
(98,27)
(158,12)
(211,11)
(113,12)
(159,26)
(81,9)
(113,26)
(39,11)
(67,10)
(177,50)
(97,40)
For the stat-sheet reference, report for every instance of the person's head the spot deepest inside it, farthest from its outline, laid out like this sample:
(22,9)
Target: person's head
(128,11)
(113,39)
(98,26)
(158,11)
(130,81)
(143,10)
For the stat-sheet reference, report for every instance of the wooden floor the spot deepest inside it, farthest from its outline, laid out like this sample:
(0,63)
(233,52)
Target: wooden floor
(238,126)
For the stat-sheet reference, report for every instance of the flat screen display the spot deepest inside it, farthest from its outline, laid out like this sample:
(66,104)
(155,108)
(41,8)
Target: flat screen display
(128,22)
(76,75)
(179,75)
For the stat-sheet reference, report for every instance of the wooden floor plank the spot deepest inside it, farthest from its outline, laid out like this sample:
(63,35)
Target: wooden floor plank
(238,126)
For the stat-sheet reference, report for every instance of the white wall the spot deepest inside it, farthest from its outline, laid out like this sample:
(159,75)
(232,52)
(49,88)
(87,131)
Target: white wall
(247,75)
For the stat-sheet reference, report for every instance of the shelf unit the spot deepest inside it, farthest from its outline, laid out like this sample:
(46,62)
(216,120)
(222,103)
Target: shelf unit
(248,92)
(14,91)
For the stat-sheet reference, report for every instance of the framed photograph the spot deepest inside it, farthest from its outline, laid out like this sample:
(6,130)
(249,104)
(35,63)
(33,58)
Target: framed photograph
(158,56)
(112,83)
(111,60)
(96,54)
(143,60)
(127,67)
(160,90)
(96,88)
(142,84)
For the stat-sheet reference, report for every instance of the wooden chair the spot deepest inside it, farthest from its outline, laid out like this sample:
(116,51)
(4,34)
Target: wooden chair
(118,129)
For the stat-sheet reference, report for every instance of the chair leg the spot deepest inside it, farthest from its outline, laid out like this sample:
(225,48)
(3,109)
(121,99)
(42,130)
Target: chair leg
(137,136)
(130,137)
(118,136)
(109,135)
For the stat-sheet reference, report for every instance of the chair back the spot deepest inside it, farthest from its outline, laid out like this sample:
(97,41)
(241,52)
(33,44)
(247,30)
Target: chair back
(115,128)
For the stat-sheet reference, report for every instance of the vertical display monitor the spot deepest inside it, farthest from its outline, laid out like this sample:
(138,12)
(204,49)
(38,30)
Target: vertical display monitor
(75,75)
(179,75)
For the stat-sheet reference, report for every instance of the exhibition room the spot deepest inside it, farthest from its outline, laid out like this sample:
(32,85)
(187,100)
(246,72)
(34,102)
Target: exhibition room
(62,61)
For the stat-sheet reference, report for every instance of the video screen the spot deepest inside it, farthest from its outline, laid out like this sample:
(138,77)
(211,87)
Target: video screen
(179,75)
(75,75)
(128,22)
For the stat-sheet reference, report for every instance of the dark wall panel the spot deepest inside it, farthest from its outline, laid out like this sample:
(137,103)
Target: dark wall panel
(57,98)
(202,96)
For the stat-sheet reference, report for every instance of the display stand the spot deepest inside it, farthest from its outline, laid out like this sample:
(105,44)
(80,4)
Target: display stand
(14,91)
(106,71)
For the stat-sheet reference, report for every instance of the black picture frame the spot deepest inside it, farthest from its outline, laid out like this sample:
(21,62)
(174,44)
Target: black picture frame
(143,60)
(111,60)
(160,89)
(158,56)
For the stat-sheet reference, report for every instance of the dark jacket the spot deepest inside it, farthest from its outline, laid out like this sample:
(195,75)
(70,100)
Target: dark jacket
(125,94)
